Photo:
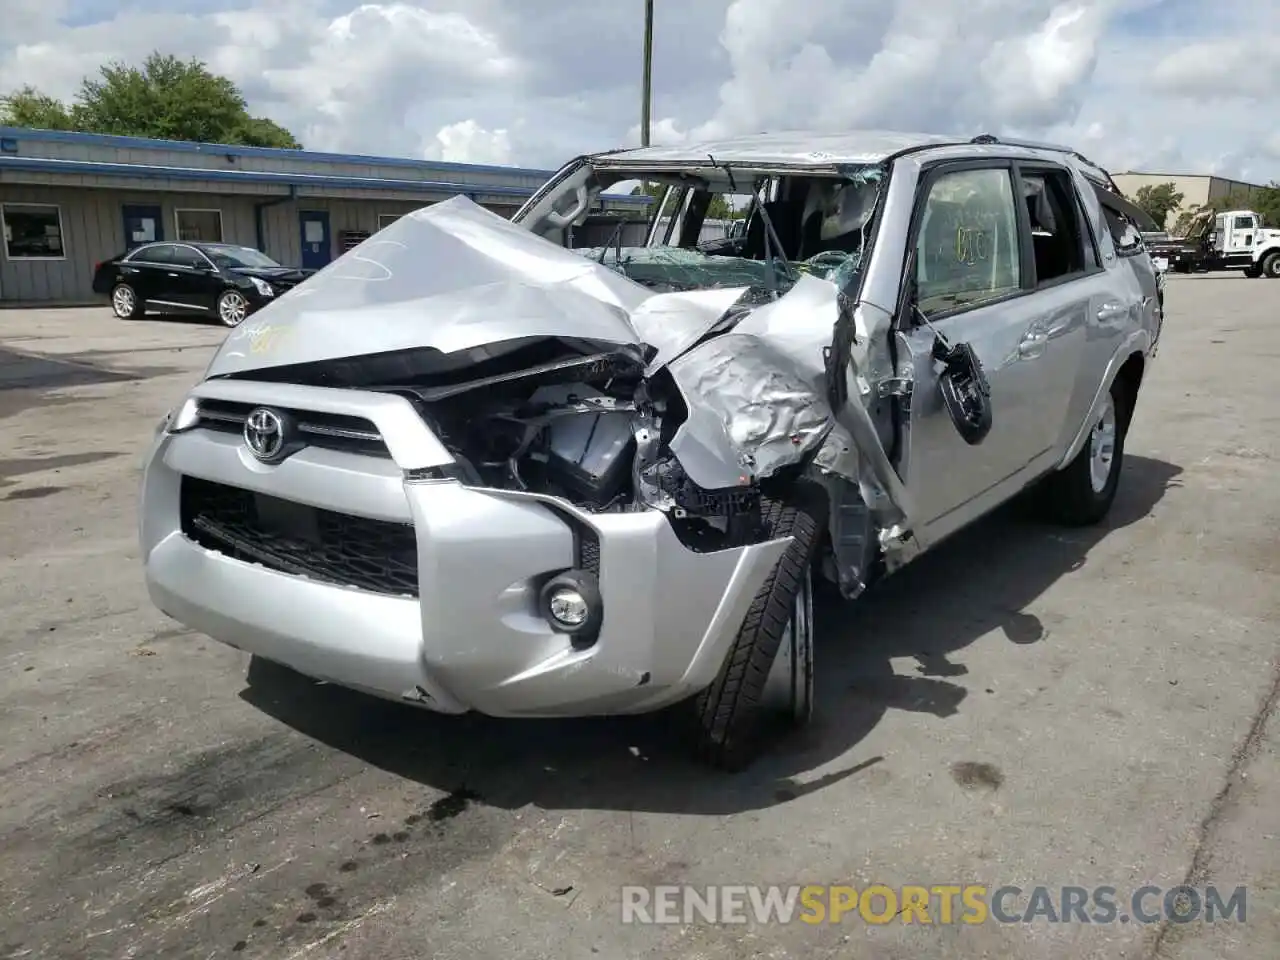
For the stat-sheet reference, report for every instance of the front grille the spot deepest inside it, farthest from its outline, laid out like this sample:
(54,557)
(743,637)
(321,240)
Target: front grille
(375,555)
(328,430)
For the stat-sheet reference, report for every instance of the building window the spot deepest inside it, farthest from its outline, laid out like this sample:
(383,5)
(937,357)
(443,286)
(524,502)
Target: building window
(387,219)
(199,226)
(32,231)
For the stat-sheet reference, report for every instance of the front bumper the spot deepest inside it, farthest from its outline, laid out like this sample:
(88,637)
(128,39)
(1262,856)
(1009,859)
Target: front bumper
(474,637)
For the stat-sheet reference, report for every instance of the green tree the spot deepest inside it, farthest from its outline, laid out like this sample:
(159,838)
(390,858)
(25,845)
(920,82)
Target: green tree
(28,107)
(718,209)
(1264,201)
(1158,201)
(165,99)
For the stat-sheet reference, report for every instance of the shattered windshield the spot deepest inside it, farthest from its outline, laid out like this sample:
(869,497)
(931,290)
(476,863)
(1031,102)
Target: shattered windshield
(716,226)
(667,269)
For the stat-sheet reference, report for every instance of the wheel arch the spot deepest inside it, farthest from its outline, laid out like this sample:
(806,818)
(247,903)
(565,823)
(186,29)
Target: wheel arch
(1129,362)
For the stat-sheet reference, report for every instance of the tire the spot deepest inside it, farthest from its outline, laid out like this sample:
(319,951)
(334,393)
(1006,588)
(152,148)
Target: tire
(1253,273)
(125,303)
(1271,265)
(232,308)
(1077,495)
(732,715)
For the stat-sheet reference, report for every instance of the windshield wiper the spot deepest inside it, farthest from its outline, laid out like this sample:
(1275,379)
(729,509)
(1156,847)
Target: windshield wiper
(615,237)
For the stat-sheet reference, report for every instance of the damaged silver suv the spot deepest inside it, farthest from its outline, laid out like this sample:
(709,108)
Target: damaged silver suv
(565,465)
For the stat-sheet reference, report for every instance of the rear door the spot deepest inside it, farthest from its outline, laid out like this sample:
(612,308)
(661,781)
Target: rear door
(146,270)
(973,278)
(1073,301)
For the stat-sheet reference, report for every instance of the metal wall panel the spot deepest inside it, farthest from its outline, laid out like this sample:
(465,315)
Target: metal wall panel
(93,230)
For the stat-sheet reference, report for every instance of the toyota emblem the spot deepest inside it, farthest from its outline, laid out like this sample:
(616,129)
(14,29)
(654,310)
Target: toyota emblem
(264,433)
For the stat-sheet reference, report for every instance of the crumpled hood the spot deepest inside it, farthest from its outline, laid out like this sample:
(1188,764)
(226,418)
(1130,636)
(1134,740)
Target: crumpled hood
(456,277)
(450,276)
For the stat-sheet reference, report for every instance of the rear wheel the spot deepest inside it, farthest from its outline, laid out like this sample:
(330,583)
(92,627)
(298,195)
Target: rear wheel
(1271,265)
(124,302)
(1081,494)
(768,673)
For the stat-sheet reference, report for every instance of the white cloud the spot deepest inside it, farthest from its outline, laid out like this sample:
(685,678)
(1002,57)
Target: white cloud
(1135,83)
(468,142)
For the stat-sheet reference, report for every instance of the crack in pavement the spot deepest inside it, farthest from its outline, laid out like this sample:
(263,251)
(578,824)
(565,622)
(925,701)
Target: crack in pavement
(1244,753)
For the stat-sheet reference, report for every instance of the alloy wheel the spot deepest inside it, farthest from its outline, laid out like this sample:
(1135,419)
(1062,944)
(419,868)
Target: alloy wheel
(1102,447)
(122,301)
(232,308)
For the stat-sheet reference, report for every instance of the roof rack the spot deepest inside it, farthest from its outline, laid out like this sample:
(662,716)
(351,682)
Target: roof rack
(1101,174)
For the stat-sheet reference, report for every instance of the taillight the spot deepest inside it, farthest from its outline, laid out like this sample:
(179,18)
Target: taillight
(96,266)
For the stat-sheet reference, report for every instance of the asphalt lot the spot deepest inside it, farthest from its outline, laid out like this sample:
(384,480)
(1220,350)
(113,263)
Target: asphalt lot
(1025,706)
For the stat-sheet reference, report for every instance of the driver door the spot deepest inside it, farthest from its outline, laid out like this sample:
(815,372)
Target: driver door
(972,279)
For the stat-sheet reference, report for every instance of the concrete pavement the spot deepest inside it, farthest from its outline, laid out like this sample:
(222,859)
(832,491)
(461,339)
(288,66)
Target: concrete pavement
(1026,706)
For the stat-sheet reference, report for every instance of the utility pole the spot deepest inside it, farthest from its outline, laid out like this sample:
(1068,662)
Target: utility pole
(646,95)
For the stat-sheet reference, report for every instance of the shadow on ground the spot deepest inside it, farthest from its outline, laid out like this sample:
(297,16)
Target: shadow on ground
(28,381)
(980,582)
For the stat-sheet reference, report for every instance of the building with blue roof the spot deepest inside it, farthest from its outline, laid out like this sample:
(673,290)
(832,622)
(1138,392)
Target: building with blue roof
(71,200)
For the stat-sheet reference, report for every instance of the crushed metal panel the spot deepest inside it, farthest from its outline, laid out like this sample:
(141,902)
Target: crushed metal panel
(449,276)
(673,322)
(798,325)
(747,398)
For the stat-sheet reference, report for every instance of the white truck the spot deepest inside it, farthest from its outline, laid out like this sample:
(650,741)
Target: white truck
(1227,240)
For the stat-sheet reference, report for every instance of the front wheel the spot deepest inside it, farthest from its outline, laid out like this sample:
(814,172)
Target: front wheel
(1081,493)
(232,308)
(1271,265)
(768,672)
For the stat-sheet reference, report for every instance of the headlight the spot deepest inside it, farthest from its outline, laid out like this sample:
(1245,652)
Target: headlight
(182,417)
(262,287)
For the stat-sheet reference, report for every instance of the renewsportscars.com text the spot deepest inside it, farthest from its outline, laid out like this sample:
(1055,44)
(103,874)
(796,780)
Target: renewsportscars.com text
(933,904)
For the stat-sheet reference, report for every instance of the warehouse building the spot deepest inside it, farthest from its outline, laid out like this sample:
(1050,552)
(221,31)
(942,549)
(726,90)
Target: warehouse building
(1198,190)
(71,200)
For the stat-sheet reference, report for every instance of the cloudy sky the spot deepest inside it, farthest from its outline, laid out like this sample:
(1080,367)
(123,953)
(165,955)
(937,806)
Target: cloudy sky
(1166,85)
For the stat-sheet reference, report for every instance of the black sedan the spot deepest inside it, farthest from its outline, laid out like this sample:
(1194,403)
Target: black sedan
(219,278)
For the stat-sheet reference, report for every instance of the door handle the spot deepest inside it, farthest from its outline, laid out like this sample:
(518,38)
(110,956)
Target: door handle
(173,274)
(1032,345)
(1111,311)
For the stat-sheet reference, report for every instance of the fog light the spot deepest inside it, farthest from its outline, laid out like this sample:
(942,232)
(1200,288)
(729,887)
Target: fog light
(571,603)
(568,607)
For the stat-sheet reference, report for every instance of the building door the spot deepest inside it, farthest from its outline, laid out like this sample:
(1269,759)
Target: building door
(317,244)
(142,224)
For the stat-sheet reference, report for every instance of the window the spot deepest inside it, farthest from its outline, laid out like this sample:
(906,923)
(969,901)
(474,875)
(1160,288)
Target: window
(387,219)
(156,253)
(1243,223)
(188,257)
(1125,233)
(1058,236)
(32,231)
(967,250)
(199,226)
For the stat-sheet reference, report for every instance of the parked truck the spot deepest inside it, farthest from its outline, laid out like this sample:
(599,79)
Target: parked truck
(1226,240)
